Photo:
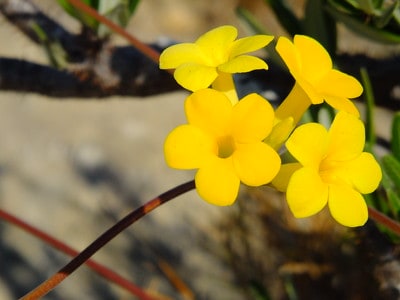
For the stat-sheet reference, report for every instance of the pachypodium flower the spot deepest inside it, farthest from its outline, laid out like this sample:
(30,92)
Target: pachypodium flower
(332,169)
(224,142)
(316,80)
(213,55)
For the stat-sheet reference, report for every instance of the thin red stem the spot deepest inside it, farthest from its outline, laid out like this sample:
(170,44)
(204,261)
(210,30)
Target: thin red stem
(107,236)
(384,220)
(57,244)
(146,50)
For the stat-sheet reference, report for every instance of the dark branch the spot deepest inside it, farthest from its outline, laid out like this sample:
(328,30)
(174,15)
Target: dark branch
(98,69)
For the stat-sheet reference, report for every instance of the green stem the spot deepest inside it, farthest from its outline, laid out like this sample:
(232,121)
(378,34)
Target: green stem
(107,236)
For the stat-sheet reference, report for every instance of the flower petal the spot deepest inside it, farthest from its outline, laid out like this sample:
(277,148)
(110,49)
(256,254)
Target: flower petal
(339,84)
(188,147)
(209,110)
(216,43)
(315,60)
(346,137)
(243,64)
(195,76)
(342,104)
(306,193)
(217,182)
(308,144)
(312,94)
(249,44)
(287,51)
(252,119)
(281,180)
(365,173)
(256,164)
(176,55)
(347,206)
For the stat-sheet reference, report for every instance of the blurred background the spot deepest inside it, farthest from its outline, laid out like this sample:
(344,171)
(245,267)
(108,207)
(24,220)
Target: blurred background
(73,166)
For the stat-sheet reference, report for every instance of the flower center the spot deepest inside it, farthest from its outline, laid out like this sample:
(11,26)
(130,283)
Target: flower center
(226,146)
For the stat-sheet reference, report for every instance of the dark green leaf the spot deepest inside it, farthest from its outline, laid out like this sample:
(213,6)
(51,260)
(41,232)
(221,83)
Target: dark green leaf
(370,103)
(391,167)
(386,15)
(249,18)
(367,6)
(286,17)
(319,25)
(132,5)
(396,136)
(363,28)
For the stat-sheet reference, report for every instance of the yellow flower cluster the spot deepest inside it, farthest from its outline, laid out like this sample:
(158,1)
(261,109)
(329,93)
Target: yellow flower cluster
(230,141)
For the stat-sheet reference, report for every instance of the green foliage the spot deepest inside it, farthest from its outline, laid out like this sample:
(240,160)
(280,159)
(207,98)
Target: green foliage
(119,11)
(286,17)
(396,136)
(319,25)
(376,20)
(370,103)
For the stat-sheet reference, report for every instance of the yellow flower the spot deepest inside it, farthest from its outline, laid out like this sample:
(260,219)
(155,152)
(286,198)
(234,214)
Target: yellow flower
(332,169)
(224,142)
(214,53)
(316,80)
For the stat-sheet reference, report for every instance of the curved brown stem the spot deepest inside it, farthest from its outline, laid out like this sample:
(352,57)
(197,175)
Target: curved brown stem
(60,245)
(384,220)
(107,236)
(146,50)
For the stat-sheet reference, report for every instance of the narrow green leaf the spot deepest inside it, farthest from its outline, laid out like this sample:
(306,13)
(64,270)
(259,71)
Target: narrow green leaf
(378,3)
(396,135)
(364,29)
(347,7)
(250,20)
(370,103)
(394,202)
(391,167)
(286,17)
(83,18)
(386,15)
(367,6)
(319,25)
(132,5)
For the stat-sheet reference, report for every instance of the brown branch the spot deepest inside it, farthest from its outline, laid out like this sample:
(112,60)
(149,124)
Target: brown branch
(107,236)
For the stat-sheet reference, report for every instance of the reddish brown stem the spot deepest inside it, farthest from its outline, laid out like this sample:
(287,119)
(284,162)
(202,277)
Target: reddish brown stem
(107,236)
(57,244)
(146,50)
(384,220)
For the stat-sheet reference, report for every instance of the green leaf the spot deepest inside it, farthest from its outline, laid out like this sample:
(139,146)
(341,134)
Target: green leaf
(391,167)
(286,17)
(370,101)
(394,201)
(364,29)
(132,5)
(319,25)
(367,6)
(396,135)
(249,18)
(83,18)
(386,15)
